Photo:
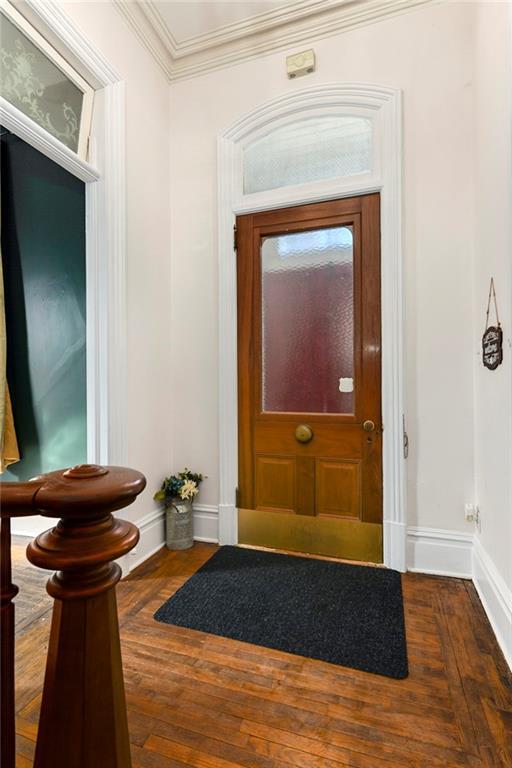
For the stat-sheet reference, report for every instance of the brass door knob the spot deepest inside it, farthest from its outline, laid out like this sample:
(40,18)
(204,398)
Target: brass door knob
(303,433)
(368,425)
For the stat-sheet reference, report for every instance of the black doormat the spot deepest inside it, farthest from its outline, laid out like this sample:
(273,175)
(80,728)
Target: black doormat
(345,614)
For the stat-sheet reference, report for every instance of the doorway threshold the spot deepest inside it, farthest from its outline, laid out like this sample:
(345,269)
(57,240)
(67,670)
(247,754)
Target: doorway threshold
(328,558)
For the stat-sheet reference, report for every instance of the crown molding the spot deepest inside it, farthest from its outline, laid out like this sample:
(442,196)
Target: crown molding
(247,27)
(305,20)
(151,37)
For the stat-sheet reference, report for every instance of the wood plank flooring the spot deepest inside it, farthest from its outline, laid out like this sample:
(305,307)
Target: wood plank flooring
(209,702)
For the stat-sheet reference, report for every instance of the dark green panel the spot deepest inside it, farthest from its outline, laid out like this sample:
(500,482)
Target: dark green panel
(43,250)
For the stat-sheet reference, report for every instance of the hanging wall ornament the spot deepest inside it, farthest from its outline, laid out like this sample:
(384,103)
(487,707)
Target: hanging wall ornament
(492,340)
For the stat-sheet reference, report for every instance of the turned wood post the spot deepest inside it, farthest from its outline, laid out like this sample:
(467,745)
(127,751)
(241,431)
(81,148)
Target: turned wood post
(83,721)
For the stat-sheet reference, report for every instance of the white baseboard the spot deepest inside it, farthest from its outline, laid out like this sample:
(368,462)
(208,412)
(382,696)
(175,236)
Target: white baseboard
(496,598)
(152,538)
(206,523)
(152,533)
(439,552)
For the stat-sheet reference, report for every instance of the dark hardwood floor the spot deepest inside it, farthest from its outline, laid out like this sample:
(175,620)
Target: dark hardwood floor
(199,700)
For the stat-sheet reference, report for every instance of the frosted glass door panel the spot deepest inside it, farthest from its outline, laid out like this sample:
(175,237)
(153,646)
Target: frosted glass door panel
(308,322)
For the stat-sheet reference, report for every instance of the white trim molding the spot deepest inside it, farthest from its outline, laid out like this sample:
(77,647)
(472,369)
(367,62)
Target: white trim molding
(105,223)
(496,597)
(383,106)
(32,133)
(439,552)
(294,24)
(206,523)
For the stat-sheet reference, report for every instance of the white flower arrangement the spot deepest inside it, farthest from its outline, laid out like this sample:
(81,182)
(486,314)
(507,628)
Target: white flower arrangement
(184,485)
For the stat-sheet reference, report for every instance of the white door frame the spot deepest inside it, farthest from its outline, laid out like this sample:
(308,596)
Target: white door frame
(105,224)
(383,106)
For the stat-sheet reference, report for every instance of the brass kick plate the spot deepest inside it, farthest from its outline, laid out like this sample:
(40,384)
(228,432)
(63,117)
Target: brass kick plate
(334,537)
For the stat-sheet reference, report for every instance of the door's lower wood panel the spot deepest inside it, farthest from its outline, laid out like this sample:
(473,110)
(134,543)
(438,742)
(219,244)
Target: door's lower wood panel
(275,483)
(338,487)
(331,536)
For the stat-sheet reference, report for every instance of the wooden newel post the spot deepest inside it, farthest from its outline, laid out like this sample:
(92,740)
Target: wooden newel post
(83,721)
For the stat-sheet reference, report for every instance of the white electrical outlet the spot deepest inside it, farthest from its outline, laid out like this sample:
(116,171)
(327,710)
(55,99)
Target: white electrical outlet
(470,513)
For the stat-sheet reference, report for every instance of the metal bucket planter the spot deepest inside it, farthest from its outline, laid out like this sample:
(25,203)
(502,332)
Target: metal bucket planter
(179,524)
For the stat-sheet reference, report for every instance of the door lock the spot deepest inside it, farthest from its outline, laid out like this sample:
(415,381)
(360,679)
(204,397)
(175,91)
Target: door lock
(368,425)
(303,433)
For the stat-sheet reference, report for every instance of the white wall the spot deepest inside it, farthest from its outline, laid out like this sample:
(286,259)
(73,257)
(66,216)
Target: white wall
(493,257)
(452,63)
(149,447)
(428,54)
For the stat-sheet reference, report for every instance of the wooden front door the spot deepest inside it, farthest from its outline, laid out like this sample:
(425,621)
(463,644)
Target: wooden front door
(309,378)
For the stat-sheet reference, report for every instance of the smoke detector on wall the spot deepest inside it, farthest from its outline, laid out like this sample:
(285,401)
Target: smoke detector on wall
(300,64)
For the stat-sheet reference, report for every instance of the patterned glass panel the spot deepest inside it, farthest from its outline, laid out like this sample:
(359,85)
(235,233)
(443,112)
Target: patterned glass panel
(308,150)
(37,87)
(308,322)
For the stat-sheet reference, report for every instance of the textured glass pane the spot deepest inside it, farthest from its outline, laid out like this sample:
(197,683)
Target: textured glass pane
(308,150)
(308,322)
(33,84)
